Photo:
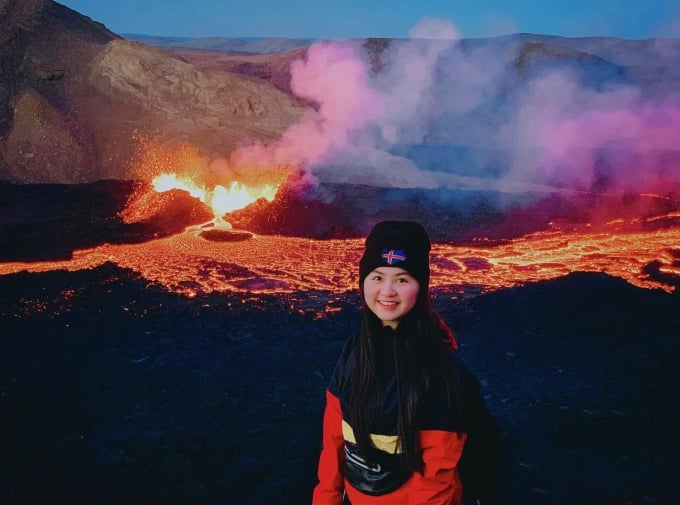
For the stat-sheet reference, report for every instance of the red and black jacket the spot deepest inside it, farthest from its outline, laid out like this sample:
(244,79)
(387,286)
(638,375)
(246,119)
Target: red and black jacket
(445,428)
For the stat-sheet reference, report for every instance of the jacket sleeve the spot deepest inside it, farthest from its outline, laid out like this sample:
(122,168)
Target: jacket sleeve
(439,483)
(329,490)
(480,464)
(462,463)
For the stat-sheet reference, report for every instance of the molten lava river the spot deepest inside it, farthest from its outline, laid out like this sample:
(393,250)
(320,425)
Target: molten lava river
(189,264)
(644,253)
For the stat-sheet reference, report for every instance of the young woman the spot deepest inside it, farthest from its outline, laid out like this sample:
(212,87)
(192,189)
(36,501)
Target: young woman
(401,407)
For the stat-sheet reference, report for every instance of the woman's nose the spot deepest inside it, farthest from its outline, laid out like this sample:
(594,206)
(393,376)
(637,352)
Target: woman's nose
(388,289)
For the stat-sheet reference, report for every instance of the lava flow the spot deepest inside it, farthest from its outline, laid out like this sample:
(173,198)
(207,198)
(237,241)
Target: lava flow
(645,251)
(187,264)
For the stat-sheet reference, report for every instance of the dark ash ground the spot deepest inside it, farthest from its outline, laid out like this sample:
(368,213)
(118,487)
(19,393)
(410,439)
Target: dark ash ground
(115,391)
(122,393)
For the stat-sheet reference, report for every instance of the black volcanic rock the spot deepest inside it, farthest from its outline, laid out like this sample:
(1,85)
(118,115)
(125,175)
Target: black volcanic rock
(218,235)
(116,391)
(50,221)
(69,217)
(592,360)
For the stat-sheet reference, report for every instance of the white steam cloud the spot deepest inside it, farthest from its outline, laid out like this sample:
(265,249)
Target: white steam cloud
(501,113)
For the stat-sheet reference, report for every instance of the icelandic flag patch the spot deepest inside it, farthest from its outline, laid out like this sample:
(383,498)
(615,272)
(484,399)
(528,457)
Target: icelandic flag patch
(393,256)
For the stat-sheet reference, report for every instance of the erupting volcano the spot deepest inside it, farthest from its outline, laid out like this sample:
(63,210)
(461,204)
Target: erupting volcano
(484,255)
(220,186)
(173,302)
(221,200)
(151,335)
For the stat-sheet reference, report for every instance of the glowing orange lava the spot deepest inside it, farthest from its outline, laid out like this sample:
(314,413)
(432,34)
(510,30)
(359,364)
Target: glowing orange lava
(188,264)
(643,251)
(222,185)
(220,199)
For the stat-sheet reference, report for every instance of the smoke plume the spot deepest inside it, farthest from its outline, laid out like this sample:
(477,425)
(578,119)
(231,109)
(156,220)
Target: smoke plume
(502,113)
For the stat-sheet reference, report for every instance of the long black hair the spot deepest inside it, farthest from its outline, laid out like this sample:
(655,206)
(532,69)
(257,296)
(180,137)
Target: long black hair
(428,340)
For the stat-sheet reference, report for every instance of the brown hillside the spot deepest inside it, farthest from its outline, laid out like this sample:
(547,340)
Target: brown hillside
(273,68)
(75,97)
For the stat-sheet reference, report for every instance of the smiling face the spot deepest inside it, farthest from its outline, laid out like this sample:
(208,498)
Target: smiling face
(390,293)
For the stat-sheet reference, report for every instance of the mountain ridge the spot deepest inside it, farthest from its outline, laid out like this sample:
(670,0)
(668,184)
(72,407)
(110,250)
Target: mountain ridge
(79,103)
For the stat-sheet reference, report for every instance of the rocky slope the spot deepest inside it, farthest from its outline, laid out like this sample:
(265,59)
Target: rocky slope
(272,67)
(75,99)
(79,104)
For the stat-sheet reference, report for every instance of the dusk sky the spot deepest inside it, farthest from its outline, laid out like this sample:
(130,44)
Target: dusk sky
(340,19)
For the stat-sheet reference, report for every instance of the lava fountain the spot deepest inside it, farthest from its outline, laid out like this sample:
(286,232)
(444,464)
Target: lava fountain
(220,199)
(220,185)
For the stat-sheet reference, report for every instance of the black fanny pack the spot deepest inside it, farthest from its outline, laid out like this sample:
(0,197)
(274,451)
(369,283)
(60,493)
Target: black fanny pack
(375,479)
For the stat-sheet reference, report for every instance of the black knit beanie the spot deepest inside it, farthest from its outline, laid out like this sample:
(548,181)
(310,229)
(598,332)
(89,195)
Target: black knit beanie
(403,244)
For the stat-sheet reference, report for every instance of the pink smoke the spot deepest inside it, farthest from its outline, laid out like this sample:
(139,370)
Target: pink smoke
(333,77)
(561,133)
(634,145)
(554,132)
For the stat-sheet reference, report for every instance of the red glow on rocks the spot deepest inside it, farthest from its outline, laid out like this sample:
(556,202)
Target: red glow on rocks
(188,264)
(220,185)
(220,199)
